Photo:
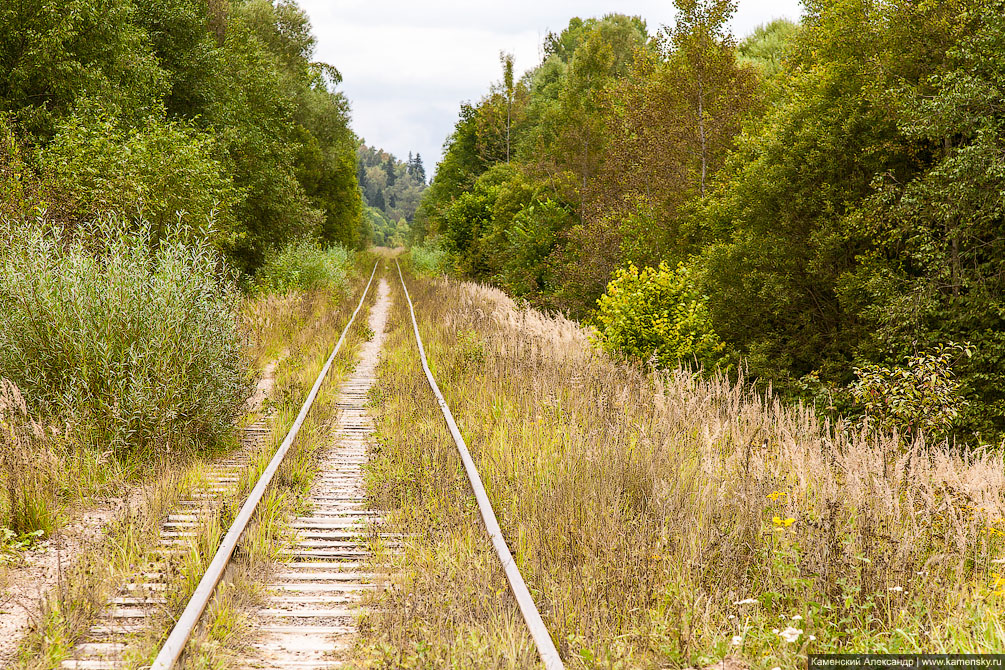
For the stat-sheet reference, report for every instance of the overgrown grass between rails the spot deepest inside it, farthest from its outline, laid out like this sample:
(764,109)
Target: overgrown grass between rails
(307,331)
(664,519)
(450,605)
(87,587)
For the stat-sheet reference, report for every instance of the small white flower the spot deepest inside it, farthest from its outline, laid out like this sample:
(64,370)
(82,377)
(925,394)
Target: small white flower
(897,589)
(812,638)
(748,601)
(791,634)
(797,617)
(775,631)
(731,616)
(737,640)
(776,668)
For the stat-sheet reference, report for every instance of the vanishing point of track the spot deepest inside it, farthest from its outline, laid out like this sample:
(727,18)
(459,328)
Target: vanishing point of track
(309,619)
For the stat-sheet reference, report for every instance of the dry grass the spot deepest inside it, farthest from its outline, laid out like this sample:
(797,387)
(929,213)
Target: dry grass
(300,328)
(644,508)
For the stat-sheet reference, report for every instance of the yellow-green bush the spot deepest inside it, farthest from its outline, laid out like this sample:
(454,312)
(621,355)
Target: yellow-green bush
(657,313)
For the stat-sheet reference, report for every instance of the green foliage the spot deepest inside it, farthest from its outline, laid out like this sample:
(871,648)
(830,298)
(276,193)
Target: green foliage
(611,122)
(923,396)
(392,187)
(54,54)
(132,345)
(768,46)
(658,314)
(856,220)
(159,172)
(429,258)
(306,265)
(215,110)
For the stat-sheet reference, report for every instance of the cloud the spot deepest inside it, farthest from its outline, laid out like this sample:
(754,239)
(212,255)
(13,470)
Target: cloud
(407,66)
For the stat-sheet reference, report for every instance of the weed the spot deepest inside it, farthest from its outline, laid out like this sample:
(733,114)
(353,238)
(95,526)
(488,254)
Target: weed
(658,516)
(306,265)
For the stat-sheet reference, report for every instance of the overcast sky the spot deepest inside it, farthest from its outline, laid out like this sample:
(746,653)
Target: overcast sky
(407,66)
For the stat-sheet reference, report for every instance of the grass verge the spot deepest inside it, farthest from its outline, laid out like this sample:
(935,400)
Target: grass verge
(660,519)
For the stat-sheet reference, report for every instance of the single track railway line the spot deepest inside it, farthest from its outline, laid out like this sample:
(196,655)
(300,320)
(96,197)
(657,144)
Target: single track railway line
(309,618)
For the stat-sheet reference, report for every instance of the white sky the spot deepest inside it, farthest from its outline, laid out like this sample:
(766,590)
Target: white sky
(407,66)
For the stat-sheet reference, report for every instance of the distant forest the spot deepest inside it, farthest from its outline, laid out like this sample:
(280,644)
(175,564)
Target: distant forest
(392,191)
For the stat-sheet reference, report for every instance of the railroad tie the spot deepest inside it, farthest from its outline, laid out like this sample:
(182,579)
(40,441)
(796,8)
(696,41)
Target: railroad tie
(309,620)
(129,610)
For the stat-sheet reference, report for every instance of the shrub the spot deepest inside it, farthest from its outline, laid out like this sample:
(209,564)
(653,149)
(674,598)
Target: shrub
(429,258)
(132,345)
(160,173)
(657,313)
(306,265)
(922,396)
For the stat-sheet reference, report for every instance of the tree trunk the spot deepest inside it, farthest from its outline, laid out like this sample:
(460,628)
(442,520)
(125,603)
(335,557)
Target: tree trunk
(701,134)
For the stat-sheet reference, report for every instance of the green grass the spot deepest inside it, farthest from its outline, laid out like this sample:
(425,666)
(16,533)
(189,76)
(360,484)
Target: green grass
(306,265)
(428,259)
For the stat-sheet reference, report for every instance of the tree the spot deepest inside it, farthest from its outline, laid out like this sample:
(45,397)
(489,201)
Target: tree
(671,124)
(52,59)
(507,62)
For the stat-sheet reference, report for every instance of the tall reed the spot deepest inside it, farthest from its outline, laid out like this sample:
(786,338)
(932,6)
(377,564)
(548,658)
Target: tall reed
(130,342)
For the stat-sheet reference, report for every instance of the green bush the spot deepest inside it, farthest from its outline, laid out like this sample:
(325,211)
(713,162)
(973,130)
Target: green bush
(429,258)
(132,346)
(306,265)
(657,313)
(158,173)
(923,396)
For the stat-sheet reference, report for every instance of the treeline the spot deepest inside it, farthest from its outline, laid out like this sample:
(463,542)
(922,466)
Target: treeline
(207,111)
(391,190)
(822,201)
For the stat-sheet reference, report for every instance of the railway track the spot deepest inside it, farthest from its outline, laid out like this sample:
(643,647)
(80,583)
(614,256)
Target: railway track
(309,620)
(312,603)
(142,598)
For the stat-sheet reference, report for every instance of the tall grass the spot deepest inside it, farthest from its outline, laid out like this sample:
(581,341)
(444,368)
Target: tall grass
(132,346)
(305,265)
(663,519)
(26,458)
(429,258)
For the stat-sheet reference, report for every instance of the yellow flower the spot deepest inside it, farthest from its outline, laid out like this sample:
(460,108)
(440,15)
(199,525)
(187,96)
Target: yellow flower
(785,523)
(775,495)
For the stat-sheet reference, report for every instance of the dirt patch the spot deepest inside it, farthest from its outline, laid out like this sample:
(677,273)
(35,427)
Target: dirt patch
(27,584)
(264,386)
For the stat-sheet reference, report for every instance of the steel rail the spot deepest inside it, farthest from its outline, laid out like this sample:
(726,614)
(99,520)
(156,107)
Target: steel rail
(182,631)
(545,646)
